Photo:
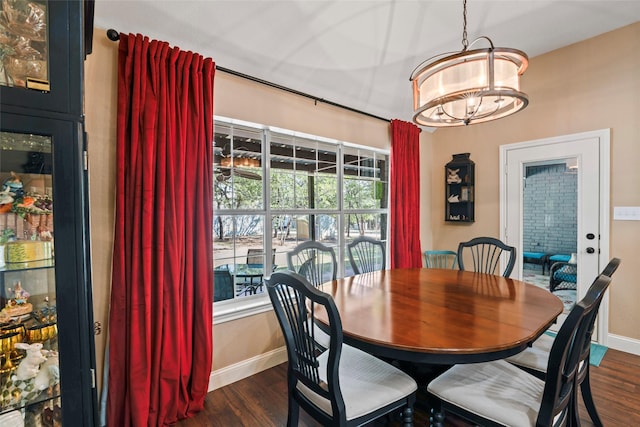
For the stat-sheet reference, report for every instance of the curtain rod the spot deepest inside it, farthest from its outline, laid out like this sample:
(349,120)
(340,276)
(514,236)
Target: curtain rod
(113,35)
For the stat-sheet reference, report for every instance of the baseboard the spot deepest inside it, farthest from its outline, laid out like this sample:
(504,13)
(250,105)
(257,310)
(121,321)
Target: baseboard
(254,365)
(628,345)
(246,368)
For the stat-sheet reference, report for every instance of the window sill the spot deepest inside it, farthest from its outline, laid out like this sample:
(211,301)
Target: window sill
(234,310)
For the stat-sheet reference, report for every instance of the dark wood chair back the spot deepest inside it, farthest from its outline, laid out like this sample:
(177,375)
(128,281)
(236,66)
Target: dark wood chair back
(367,255)
(314,261)
(295,301)
(440,259)
(312,374)
(486,253)
(611,267)
(582,376)
(558,399)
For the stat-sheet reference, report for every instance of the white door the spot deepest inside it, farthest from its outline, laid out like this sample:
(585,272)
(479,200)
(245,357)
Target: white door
(588,157)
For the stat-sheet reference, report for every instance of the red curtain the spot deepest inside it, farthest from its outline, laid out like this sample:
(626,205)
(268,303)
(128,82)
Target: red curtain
(405,195)
(160,329)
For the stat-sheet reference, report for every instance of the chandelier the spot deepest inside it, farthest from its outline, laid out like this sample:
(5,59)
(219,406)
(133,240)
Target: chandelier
(471,86)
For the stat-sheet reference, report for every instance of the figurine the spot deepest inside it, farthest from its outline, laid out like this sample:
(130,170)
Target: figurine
(13,185)
(5,196)
(18,305)
(19,294)
(452,177)
(30,365)
(49,374)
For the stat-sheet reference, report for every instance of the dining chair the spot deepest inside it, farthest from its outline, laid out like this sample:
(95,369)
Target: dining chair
(313,260)
(535,359)
(366,255)
(341,386)
(499,393)
(440,259)
(316,263)
(486,253)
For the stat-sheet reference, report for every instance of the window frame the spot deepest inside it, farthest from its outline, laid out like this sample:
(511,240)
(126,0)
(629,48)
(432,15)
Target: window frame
(237,308)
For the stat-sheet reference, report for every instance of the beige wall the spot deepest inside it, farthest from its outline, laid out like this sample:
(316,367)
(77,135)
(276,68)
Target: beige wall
(587,86)
(100,111)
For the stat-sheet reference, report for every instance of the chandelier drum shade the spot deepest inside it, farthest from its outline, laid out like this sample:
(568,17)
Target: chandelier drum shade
(471,86)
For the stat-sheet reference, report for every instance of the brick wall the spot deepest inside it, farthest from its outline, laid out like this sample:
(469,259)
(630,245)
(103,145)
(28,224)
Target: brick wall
(550,209)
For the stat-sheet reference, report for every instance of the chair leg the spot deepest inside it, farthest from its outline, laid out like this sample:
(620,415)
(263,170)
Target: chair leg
(293,413)
(587,398)
(407,417)
(436,416)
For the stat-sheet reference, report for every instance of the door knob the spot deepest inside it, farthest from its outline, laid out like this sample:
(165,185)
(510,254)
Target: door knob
(591,236)
(590,250)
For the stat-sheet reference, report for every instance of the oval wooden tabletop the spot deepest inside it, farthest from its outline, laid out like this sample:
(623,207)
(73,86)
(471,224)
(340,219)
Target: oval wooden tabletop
(441,316)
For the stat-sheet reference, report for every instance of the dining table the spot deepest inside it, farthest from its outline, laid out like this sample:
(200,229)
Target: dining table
(440,316)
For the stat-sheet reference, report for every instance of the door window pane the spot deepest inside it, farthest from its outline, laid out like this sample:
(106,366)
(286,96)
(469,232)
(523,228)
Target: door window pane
(549,226)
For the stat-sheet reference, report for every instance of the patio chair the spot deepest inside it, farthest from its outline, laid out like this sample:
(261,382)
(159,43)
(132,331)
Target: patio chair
(255,256)
(341,386)
(441,259)
(222,285)
(366,255)
(536,358)
(486,253)
(499,393)
(562,276)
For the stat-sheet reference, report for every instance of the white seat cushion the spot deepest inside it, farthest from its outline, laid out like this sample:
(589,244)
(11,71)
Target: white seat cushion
(535,357)
(498,391)
(367,383)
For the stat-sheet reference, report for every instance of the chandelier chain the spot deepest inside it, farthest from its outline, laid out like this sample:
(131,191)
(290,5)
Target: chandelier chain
(465,42)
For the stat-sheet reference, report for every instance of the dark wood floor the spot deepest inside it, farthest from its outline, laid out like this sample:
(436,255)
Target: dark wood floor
(260,400)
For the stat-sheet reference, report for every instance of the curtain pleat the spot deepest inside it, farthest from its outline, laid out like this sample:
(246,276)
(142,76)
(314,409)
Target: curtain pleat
(405,195)
(161,297)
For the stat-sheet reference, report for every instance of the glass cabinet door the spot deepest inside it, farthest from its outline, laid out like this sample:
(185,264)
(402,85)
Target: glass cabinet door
(24,44)
(29,353)
(41,55)
(47,353)
(47,359)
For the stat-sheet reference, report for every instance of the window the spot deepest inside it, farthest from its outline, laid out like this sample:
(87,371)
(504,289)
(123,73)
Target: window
(275,189)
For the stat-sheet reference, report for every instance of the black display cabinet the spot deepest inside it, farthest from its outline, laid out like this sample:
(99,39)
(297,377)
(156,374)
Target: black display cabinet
(45,294)
(459,177)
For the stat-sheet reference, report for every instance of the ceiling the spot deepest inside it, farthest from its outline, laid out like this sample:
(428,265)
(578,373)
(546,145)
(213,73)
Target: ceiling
(357,53)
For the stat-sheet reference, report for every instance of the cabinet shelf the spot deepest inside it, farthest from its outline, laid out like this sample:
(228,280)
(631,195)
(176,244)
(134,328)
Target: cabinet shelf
(31,265)
(43,399)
